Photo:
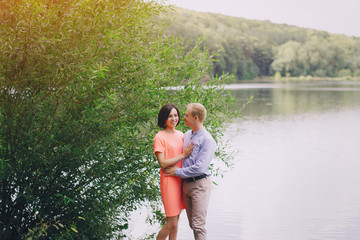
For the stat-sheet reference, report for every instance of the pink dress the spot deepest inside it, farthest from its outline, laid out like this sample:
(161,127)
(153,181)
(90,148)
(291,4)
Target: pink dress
(170,187)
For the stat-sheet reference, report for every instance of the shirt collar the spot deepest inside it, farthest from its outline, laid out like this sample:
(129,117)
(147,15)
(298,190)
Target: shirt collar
(198,132)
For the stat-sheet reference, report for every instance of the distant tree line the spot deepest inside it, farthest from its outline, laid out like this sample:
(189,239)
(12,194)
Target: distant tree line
(250,49)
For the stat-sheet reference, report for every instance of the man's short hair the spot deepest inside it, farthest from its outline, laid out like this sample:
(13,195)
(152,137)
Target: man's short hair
(197,109)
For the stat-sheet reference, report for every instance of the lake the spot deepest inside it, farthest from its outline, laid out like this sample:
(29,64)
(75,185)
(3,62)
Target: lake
(297,167)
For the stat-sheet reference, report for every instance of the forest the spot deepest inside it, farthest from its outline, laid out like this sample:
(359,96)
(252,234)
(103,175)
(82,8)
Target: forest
(252,49)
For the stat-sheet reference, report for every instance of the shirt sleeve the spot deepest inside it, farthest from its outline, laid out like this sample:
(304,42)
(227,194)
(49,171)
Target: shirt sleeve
(159,144)
(202,161)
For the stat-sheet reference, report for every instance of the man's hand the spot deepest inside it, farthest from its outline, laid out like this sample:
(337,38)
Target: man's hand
(170,171)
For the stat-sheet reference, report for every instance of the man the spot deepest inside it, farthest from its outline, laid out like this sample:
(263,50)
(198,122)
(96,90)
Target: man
(195,169)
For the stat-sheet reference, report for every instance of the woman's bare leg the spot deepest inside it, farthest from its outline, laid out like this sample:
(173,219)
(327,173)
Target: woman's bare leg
(170,229)
(174,232)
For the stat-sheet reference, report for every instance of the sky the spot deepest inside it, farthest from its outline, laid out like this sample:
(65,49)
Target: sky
(334,16)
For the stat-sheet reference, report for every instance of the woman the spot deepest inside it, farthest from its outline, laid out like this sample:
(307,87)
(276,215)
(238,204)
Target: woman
(168,148)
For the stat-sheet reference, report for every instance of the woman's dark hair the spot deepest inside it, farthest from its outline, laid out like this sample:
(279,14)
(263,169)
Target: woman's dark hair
(164,114)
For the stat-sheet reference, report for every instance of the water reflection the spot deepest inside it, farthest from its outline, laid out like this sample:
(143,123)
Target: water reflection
(289,99)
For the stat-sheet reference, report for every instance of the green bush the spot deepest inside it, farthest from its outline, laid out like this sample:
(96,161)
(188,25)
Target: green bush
(81,84)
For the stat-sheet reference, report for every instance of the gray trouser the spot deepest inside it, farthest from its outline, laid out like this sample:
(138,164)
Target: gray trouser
(196,197)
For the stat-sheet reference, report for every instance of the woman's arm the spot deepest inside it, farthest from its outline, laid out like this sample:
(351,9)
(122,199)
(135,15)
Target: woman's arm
(169,162)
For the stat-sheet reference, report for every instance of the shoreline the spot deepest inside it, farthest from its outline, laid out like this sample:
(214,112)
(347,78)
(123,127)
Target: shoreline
(299,79)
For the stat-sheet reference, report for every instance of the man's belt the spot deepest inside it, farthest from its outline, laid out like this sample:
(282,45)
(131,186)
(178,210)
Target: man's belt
(193,179)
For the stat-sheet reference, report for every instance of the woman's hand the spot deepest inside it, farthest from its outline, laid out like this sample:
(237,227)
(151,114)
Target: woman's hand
(188,150)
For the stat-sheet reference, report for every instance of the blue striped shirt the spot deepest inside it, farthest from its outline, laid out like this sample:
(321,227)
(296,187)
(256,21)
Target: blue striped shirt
(203,152)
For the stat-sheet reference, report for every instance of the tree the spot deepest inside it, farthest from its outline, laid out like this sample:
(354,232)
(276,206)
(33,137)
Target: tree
(285,58)
(81,83)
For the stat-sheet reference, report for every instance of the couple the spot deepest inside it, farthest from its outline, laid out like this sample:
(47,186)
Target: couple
(184,176)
